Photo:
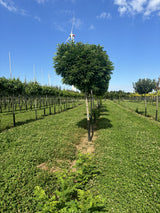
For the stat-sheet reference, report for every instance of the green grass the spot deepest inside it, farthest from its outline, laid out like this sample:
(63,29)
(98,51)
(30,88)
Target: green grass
(140,108)
(24,147)
(21,117)
(128,153)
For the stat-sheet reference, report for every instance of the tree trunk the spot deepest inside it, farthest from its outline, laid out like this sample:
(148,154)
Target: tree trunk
(92,107)
(35,106)
(14,122)
(145,106)
(156,118)
(88,120)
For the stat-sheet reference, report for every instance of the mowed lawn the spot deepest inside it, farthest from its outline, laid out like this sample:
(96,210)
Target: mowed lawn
(128,153)
(51,141)
(139,107)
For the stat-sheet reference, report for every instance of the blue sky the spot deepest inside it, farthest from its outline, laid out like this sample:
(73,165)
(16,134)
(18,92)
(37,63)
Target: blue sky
(129,30)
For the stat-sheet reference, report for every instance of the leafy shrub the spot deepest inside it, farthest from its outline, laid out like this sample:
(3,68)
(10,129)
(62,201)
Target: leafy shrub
(72,194)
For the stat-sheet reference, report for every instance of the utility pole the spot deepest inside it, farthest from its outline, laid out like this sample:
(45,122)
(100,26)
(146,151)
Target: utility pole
(10,66)
(34,73)
(49,79)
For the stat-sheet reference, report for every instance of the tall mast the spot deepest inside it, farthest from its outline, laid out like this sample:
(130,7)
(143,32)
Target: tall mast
(10,66)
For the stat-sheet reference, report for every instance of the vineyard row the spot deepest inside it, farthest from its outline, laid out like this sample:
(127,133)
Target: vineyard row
(21,108)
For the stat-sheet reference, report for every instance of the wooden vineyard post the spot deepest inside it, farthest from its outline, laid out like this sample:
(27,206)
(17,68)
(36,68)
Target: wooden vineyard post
(61,104)
(157,88)
(1,106)
(88,120)
(64,102)
(14,121)
(91,113)
(26,103)
(9,103)
(50,106)
(54,105)
(145,106)
(156,118)
(19,104)
(35,104)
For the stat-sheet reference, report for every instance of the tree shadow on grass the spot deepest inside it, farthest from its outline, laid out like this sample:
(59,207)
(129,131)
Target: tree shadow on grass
(142,113)
(101,123)
(19,123)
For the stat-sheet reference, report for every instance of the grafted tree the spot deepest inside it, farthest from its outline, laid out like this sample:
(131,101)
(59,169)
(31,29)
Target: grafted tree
(144,86)
(157,88)
(86,66)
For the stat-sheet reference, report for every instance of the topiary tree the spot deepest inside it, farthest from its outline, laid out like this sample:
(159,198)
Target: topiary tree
(144,86)
(86,66)
(157,88)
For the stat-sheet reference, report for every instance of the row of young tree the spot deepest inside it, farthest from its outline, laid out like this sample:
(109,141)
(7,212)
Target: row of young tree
(143,88)
(116,95)
(10,87)
(146,90)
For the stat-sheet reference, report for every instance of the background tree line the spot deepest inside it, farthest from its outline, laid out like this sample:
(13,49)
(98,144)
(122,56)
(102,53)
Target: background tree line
(10,87)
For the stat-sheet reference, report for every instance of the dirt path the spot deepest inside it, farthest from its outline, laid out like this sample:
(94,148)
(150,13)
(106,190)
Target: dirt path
(83,147)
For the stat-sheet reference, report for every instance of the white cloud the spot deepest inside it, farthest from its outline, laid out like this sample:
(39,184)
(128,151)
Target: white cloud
(92,27)
(60,27)
(44,1)
(37,18)
(77,23)
(132,7)
(153,6)
(10,6)
(104,15)
(41,1)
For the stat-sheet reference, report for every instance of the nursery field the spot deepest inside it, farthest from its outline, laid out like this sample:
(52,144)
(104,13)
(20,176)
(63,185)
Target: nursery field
(139,107)
(127,153)
(26,113)
(50,140)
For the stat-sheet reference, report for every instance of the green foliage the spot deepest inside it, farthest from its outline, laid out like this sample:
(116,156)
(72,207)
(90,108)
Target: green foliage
(116,94)
(85,66)
(72,194)
(15,87)
(144,86)
(11,86)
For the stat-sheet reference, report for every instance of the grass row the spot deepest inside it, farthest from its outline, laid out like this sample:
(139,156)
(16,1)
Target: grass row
(139,107)
(22,148)
(21,117)
(128,153)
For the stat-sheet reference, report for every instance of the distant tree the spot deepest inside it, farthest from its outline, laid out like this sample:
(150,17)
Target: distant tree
(86,66)
(157,88)
(144,86)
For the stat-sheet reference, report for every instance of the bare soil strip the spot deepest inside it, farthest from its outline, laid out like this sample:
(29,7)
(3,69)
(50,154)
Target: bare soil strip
(83,147)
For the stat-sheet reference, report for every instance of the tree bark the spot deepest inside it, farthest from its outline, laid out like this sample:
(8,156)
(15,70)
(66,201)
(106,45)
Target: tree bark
(88,120)
(14,121)
(145,106)
(35,106)
(156,118)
